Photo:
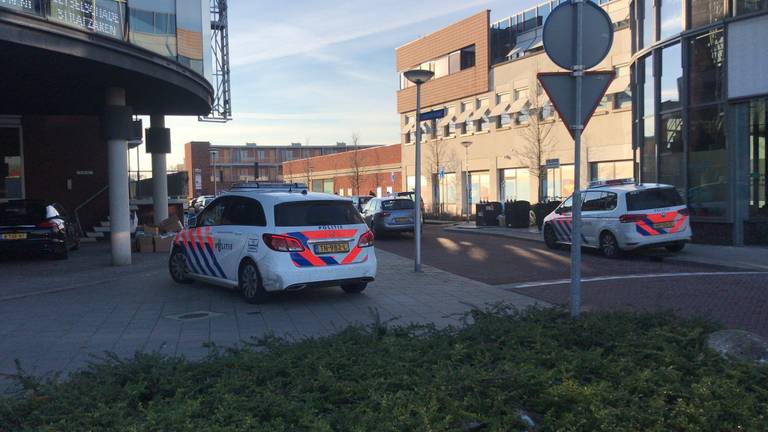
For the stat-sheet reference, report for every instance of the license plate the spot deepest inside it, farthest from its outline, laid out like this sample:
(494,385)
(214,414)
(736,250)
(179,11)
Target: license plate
(664,225)
(14,236)
(403,220)
(329,248)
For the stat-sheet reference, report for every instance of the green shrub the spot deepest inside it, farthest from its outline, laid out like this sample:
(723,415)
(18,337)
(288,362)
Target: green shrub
(605,372)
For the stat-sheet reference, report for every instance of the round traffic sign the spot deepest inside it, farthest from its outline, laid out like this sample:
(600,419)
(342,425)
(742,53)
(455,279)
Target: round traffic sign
(560,35)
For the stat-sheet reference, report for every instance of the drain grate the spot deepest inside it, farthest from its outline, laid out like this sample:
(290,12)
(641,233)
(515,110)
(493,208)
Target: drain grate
(194,316)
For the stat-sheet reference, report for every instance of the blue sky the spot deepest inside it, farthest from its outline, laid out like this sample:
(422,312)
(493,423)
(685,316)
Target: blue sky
(318,71)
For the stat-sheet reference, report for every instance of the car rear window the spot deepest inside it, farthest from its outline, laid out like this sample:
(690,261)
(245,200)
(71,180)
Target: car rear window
(653,198)
(308,213)
(22,212)
(401,204)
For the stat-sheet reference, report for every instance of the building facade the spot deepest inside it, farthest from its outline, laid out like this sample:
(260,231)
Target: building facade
(237,163)
(364,171)
(75,74)
(700,80)
(501,139)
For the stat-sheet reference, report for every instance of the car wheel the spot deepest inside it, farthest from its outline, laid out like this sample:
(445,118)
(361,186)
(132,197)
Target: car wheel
(550,238)
(249,281)
(609,246)
(178,268)
(61,253)
(677,247)
(354,288)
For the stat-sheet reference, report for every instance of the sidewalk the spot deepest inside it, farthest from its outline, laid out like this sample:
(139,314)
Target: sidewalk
(747,257)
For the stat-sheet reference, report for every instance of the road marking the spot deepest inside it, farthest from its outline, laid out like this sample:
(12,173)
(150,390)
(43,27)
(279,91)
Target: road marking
(634,276)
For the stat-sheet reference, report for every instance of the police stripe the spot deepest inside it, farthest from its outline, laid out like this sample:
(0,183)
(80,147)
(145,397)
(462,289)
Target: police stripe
(215,261)
(183,247)
(190,243)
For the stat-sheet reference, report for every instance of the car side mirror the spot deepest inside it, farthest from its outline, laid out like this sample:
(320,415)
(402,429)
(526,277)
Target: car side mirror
(559,210)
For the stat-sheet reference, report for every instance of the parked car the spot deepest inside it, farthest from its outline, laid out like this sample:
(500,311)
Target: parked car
(199,203)
(37,226)
(267,238)
(619,216)
(360,201)
(390,215)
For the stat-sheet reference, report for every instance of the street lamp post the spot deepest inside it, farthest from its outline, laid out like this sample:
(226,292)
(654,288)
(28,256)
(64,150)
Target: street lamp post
(466,145)
(418,77)
(214,156)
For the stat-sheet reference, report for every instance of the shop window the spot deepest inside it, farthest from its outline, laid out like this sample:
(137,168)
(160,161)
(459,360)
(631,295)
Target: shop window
(707,162)
(557,183)
(758,163)
(610,170)
(707,63)
(515,184)
(480,187)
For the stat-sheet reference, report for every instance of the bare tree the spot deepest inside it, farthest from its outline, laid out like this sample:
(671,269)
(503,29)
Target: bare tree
(439,155)
(357,162)
(536,136)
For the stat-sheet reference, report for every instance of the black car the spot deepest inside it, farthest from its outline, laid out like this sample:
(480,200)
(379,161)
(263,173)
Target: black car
(36,226)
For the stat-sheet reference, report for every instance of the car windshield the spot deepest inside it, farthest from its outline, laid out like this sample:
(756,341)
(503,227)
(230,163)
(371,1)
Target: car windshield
(22,212)
(308,213)
(653,198)
(400,204)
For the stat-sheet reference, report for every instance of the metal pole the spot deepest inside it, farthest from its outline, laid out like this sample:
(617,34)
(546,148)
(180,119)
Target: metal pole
(578,71)
(214,156)
(466,182)
(417,226)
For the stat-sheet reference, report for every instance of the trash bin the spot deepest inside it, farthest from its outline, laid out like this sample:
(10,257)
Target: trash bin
(541,210)
(488,213)
(518,214)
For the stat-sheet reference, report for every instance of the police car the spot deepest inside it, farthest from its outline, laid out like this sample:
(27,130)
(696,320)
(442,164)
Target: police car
(619,215)
(260,238)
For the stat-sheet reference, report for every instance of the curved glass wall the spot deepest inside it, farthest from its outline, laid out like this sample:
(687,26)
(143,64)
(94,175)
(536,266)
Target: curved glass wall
(171,28)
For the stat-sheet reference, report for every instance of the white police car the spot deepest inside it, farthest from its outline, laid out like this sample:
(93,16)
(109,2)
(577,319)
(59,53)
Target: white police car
(620,215)
(261,238)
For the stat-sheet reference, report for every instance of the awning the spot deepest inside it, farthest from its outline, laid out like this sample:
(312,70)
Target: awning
(461,118)
(619,15)
(479,113)
(517,105)
(445,120)
(618,85)
(499,109)
(537,43)
(408,127)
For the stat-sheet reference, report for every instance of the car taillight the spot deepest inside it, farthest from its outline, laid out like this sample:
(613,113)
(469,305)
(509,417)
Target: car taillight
(282,243)
(49,224)
(630,218)
(684,212)
(366,240)
(386,214)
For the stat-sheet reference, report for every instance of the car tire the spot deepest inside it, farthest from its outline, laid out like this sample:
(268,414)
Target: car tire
(354,288)
(677,247)
(249,282)
(609,246)
(178,268)
(550,238)
(61,253)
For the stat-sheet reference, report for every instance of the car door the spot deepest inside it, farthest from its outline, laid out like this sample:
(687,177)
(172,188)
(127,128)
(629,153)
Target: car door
(199,241)
(239,234)
(369,211)
(591,207)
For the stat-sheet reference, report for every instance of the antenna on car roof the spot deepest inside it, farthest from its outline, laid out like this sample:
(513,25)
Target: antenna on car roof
(271,186)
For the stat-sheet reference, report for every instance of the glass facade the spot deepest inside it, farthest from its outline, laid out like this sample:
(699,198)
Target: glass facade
(671,22)
(706,67)
(757,124)
(671,78)
(515,184)
(704,12)
(171,28)
(480,187)
(707,162)
(671,156)
(557,183)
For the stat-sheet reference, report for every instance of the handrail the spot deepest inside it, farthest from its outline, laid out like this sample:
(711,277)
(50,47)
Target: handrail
(81,233)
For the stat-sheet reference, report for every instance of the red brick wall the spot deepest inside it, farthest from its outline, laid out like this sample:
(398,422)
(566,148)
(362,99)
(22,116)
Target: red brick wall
(472,81)
(385,155)
(196,156)
(55,148)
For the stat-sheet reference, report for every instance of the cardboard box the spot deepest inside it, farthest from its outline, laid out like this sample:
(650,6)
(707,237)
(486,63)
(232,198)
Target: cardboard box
(150,230)
(145,244)
(170,225)
(163,244)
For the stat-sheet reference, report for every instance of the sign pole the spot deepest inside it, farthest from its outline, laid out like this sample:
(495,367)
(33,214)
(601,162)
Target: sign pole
(578,72)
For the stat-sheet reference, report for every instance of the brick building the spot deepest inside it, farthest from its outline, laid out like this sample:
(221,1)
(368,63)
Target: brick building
(356,172)
(236,163)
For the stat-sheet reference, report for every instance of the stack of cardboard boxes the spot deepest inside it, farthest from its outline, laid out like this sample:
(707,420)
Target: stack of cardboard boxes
(150,238)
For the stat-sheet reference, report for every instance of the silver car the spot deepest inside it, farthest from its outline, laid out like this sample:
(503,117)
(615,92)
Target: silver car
(390,215)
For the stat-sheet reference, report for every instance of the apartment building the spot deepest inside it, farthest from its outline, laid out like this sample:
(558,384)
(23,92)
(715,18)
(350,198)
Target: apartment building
(501,138)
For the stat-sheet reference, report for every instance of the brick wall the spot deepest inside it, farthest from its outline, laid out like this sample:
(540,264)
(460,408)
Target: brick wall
(472,81)
(196,156)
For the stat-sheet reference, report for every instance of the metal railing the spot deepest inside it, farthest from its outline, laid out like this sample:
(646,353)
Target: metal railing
(76,213)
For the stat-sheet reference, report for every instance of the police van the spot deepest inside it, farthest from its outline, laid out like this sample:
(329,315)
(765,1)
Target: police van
(620,215)
(265,237)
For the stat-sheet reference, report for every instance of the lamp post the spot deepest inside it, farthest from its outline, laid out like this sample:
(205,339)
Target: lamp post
(418,77)
(466,145)
(214,156)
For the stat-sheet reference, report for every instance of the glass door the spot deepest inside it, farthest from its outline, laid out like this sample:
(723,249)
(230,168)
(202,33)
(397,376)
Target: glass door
(11,164)
(758,164)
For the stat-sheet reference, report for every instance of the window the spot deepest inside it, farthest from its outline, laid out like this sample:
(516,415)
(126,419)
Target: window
(649,37)
(707,162)
(707,62)
(648,151)
(748,6)
(598,201)
(649,94)
(480,187)
(705,12)
(454,62)
(262,155)
(758,163)
(557,182)
(213,213)
(611,170)
(11,178)
(671,161)
(505,119)
(516,184)
(153,25)
(398,204)
(523,115)
(652,199)
(671,18)
(441,67)
(671,77)
(287,155)
(245,212)
(317,213)
(467,57)
(623,99)
(485,123)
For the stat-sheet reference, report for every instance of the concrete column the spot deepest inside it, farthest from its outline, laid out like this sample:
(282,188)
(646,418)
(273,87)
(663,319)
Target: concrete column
(119,208)
(159,175)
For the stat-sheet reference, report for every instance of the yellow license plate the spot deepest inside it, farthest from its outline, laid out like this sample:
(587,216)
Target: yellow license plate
(14,236)
(403,220)
(329,248)
(664,225)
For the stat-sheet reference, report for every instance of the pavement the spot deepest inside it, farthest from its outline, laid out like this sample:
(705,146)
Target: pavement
(747,257)
(56,315)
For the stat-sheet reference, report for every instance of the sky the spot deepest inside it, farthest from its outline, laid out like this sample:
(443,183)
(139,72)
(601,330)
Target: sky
(316,72)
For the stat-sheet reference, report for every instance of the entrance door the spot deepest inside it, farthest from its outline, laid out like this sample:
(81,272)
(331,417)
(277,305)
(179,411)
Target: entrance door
(11,164)
(758,163)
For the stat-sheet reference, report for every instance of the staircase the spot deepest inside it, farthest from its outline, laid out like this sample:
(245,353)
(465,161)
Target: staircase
(96,233)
